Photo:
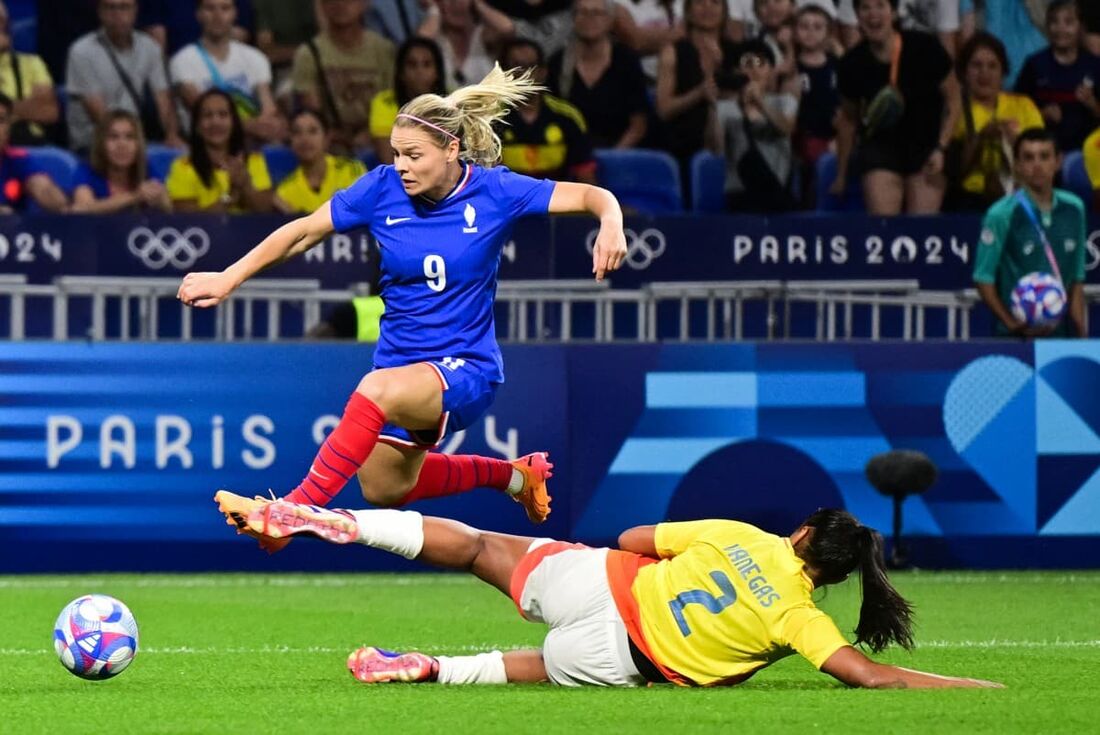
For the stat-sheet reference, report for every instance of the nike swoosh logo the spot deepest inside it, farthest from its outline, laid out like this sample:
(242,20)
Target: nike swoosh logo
(315,472)
(396,220)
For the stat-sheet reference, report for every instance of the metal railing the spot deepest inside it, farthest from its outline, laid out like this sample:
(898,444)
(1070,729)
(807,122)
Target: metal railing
(527,311)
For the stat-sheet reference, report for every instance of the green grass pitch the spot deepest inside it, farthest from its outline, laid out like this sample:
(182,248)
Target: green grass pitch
(258,653)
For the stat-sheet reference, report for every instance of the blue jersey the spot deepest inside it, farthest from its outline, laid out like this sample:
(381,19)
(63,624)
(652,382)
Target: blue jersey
(439,260)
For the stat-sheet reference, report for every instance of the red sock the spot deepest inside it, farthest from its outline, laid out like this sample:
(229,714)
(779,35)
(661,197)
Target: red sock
(342,453)
(445,474)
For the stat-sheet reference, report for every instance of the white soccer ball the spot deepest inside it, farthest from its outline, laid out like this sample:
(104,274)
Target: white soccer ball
(96,637)
(1039,300)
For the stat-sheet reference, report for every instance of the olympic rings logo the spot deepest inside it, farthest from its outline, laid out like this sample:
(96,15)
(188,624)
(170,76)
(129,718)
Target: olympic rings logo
(168,246)
(1092,253)
(641,248)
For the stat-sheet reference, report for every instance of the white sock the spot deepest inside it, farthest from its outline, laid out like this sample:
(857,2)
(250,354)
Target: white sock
(484,668)
(398,531)
(516,483)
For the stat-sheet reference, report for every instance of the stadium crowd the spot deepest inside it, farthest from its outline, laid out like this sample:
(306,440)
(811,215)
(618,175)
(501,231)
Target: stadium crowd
(905,106)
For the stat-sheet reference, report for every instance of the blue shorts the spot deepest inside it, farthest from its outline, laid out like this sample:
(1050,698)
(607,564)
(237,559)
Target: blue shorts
(467,395)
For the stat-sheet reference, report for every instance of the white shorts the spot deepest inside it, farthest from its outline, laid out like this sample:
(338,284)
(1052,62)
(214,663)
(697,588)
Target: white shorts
(587,642)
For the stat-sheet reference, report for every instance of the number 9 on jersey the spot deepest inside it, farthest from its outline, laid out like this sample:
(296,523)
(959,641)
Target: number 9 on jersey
(435,270)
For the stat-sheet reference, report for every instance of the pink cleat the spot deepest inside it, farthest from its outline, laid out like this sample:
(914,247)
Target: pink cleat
(372,665)
(279,519)
(534,497)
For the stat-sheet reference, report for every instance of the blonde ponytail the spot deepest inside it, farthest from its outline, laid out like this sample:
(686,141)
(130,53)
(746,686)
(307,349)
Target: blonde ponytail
(468,114)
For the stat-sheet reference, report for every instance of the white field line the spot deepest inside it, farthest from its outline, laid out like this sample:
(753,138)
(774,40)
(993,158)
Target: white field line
(230,580)
(992,644)
(219,582)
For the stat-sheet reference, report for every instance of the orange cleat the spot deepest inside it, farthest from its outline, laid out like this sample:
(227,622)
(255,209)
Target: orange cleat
(237,509)
(279,520)
(372,665)
(534,497)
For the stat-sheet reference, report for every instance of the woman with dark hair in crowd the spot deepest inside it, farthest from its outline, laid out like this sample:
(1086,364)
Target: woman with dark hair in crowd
(219,174)
(980,160)
(701,603)
(900,100)
(117,178)
(319,175)
(692,73)
(418,70)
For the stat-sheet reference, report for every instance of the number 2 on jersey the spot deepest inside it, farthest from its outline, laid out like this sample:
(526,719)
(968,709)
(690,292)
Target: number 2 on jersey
(713,604)
(435,270)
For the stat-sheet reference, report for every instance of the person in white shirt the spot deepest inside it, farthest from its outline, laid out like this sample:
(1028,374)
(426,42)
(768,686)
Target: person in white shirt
(240,70)
(462,28)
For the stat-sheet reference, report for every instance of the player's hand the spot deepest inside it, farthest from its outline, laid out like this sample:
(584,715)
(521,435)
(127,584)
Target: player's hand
(609,251)
(204,290)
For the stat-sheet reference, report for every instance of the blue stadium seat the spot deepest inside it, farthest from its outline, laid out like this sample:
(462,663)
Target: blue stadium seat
(648,181)
(851,201)
(160,158)
(708,182)
(57,163)
(23,25)
(280,162)
(1075,177)
(368,157)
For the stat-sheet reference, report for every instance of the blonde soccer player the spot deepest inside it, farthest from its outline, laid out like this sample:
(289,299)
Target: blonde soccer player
(441,214)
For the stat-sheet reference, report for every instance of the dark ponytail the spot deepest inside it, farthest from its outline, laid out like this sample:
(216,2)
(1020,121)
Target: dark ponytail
(885,616)
(837,546)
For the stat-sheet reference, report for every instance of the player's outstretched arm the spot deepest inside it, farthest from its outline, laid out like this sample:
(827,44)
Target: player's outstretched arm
(609,250)
(293,238)
(856,670)
(640,540)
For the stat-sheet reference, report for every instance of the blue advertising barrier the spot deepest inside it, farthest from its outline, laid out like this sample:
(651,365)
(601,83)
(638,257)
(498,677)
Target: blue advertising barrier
(110,454)
(936,251)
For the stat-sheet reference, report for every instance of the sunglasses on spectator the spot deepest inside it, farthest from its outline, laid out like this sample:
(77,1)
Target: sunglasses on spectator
(752,62)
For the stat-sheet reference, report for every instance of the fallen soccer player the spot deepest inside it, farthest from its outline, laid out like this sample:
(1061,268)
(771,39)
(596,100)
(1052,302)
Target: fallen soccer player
(700,603)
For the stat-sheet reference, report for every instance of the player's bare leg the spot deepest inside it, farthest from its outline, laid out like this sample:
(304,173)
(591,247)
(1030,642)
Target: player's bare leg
(441,542)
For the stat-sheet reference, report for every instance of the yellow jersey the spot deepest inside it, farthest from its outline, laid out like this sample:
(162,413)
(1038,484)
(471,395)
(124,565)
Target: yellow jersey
(1091,152)
(340,173)
(1015,107)
(183,182)
(383,113)
(725,600)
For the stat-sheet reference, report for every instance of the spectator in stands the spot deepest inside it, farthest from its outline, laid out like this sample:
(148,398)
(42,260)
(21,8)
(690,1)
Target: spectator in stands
(397,20)
(937,17)
(777,30)
(20,183)
(116,178)
(174,24)
(546,22)
(1041,229)
(340,71)
(980,156)
(25,80)
(817,86)
(118,68)
(281,27)
(692,73)
(465,30)
(58,30)
(898,93)
(1090,19)
(602,79)
(218,61)
(546,136)
(1019,25)
(219,175)
(1061,78)
(419,70)
(647,26)
(755,129)
(318,175)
